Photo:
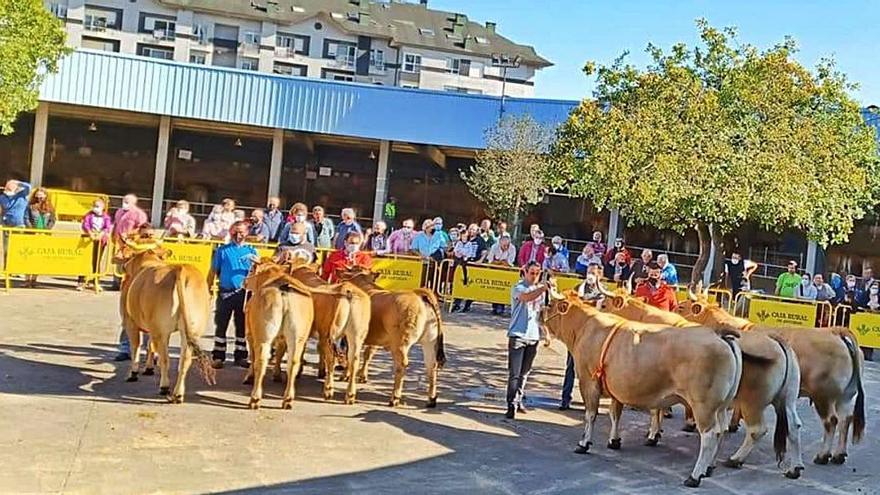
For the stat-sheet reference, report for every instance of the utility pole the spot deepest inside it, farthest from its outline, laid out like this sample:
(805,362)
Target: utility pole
(504,62)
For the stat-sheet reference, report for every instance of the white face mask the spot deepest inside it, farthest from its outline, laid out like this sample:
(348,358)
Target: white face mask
(9,193)
(735,261)
(300,218)
(407,229)
(557,246)
(126,206)
(296,238)
(805,281)
(851,285)
(351,248)
(874,291)
(98,210)
(591,279)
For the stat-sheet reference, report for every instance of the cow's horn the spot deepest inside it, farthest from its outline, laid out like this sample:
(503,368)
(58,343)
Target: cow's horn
(604,290)
(691,295)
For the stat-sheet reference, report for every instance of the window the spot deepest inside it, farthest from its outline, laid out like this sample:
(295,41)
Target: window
(409,86)
(343,77)
(100,19)
(426,31)
(200,33)
(196,57)
(459,89)
(453,65)
(251,38)
(412,62)
(336,75)
(293,43)
(58,10)
(295,70)
(100,44)
(377,59)
(344,53)
(160,52)
(481,40)
(250,63)
(162,29)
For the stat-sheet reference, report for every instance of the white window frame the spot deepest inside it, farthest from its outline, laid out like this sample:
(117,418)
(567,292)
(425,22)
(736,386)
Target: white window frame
(95,22)
(343,78)
(453,66)
(167,32)
(150,52)
(377,59)
(194,57)
(347,56)
(291,43)
(251,38)
(249,63)
(200,32)
(59,10)
(415,66)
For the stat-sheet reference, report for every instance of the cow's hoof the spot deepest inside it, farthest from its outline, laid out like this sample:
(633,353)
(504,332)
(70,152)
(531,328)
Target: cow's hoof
(350,399)
(838,459)
(176,399)
(652,442)
(321,374)
(328,395)
(691,482)
(287,404)
(395,402)
(733,428)
(732,464)
(164,390)
(276,378)
(794,473)
(709,471)
(362,379)
(248,380)
(690,428)
(254,403)
(822,459)
(149,372)
(583,449)
(133,377)
(614,444)
(432,403)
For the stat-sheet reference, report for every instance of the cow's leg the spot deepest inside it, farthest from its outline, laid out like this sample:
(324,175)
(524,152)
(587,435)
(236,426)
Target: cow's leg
(654,429)
(369,352)
(829,424)
(325,350)
(161,344)
(707,426)
(262,351)
(794,438)
(149,365)
(280,349)
(755,430)
(354,358)
(843,427)
(296,341)
(689,424)
(614,413)
(722,418)
(134,342)
(186,356)
(400,355)
(429,352)
(590,395)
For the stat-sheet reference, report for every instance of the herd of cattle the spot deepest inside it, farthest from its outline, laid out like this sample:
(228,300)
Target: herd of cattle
(722,368)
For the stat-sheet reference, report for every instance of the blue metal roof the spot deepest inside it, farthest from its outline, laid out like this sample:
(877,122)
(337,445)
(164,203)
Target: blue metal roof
(138,84)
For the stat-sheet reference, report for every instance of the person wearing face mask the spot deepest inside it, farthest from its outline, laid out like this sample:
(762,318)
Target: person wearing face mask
(598,246)
(349,256)
(872,298)
(438,230)
(590,292)
(40,215)
(738,272)
(231,264)
(348,224)
(556,260)
(125,222)
(618,247)
(533,250)
(852,293)
(503,253)
(400,241)
(13,203)
(469,249)
(295,245)
(178,221)
(97,226)
(655,291)
(428,244)
(805,291)
(585,259)
(274,218)
(377,241)
(837,285)
(322,227)
(618,270)
(259,231)
(298,214)
(487,234)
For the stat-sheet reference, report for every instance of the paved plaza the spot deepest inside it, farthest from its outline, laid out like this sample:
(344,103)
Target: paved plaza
(70,424)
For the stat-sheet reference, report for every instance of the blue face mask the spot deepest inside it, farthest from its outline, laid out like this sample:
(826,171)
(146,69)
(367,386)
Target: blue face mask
(296,238)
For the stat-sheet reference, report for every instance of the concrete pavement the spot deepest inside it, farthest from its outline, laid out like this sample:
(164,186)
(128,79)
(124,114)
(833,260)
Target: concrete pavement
(70,424)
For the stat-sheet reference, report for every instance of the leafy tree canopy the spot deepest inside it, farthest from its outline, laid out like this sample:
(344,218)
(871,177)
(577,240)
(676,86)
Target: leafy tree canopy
(723,133)
(31,43)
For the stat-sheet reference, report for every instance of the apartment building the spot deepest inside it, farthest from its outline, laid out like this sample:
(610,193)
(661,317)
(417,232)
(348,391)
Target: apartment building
(389,43)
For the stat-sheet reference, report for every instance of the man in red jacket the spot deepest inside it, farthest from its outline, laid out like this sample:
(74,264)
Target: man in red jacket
(349,256)
(655,291)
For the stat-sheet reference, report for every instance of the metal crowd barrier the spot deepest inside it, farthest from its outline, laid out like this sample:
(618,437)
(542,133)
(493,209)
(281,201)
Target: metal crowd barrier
(778,311)
(47,252)
(864,324)
(722,297)
(71,205)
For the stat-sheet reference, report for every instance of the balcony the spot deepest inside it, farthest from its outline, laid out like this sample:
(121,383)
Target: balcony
(344,61)
(166,34)
(285,52)
(95,24)
(225,43)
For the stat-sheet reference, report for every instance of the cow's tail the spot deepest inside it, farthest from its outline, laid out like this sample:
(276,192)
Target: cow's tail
(780,434)
(731,341)
(191,334)
(428,296)
(849,340)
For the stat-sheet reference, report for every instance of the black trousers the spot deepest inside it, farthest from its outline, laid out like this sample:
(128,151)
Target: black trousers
(230,304)
(520,355)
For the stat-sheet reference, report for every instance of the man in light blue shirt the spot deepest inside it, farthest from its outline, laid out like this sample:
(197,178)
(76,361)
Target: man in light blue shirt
(523,334)
(428,242)
(348,224)
(13,203)
(668,274)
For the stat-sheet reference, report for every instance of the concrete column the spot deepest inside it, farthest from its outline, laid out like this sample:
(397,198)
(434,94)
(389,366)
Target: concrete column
(275,163)
(613,226)
(184,25)
(156,209)
(381,180)
(76,12)
(38,148)
(812,256)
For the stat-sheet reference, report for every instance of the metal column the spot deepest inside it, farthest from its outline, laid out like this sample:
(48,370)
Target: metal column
(159,174)
(381,180)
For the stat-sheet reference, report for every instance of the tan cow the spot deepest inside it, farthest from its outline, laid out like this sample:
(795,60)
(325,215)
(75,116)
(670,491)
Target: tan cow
(400,319)
(161,298)
(831,365)
(648,367)
(279,306)
(770,377)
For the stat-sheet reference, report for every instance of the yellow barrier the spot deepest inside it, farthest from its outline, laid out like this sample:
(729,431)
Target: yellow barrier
(191,252)
(780,311)
(865,325)
(486,283)
(722,297)
(567,282)
(71,205)
(43,252)
(399,272)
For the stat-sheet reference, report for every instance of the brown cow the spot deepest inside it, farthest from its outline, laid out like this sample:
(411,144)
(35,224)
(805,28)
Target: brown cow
(161,298)
(648,367)
(831,365)
(399,319)
(770,377)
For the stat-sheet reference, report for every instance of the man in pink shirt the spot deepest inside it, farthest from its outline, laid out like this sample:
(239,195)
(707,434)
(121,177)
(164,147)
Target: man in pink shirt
(128,218)
(400,241)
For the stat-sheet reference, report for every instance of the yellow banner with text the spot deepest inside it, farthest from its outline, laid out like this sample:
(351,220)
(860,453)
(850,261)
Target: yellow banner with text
(484,284)
(40,254)
(781,314)
(398,273)
(198,255)
(866,326)
(73,205)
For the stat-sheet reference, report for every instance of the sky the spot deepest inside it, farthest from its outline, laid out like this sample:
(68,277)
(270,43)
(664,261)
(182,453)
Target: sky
(571,32)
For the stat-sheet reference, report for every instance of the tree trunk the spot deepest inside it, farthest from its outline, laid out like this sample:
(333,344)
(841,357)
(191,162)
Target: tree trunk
(718,260)
(705,237)
(516,226)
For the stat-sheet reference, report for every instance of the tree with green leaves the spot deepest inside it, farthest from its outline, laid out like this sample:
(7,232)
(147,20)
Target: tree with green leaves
(31,43)
(710,137)
(515,170)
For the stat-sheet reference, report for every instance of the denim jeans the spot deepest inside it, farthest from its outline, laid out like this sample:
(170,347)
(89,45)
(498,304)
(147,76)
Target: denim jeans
(125,346)
(568,382)
(520,355)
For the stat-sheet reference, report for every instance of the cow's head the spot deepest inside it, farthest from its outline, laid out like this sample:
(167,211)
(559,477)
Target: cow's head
(133,258)
(358,274)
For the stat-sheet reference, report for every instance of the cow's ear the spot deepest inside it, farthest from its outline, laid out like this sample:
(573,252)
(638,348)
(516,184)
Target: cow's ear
(163,253)
(696,308)
(618,302)
(376,275)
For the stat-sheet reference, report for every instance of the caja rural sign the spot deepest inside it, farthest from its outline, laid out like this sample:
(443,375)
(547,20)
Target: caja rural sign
(866,326)
(782,314)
